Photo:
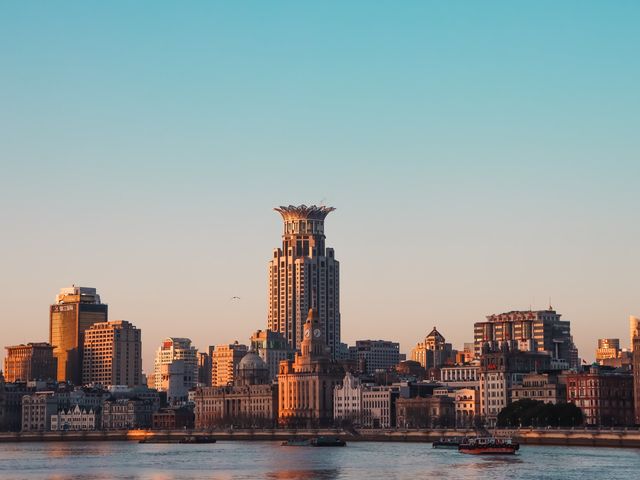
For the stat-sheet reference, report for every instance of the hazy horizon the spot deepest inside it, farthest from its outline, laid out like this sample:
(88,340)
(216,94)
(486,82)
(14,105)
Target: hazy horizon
(482,157)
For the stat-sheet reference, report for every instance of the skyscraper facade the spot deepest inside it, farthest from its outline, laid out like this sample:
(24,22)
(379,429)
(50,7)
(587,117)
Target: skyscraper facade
(224,363)
(75,310)
(33,361)
(634,324)
(112,354)
(532,331)
(304,274)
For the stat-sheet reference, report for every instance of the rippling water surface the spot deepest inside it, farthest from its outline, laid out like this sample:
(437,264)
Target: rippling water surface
(268,460)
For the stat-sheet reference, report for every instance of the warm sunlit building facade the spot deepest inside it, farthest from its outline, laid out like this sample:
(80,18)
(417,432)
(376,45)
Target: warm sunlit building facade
(306,384)
(33,361)
(172,350)
(75,310)
(112,354)
(304,274)
(224,362)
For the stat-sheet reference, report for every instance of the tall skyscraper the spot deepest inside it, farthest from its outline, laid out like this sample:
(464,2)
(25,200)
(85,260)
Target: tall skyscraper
(33,361)
(181,352)
(112,354)
(634,324)
(304,274)
(75,310)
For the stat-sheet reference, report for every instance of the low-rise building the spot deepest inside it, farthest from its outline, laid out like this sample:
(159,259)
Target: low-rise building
(378,406)
(461,376)
(37,410)
(253,401)
(126,414)
(604,396)
(544,387)
(423,412)
(74,419)
(467,406)
(173,419)
(347,400)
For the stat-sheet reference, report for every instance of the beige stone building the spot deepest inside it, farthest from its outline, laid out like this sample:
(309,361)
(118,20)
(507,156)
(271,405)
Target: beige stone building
(306,384)
(224,362)
(433,351)
(544,387)
(304,274)
(253,401)
(112,354)
(33,361)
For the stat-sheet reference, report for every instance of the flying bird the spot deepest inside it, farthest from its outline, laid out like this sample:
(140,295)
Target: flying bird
(235,298)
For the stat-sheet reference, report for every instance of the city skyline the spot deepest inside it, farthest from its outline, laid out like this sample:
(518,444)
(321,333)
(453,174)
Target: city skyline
(482,158)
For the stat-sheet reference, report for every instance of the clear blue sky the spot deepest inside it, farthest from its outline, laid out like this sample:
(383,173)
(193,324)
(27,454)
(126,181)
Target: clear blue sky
(482,156)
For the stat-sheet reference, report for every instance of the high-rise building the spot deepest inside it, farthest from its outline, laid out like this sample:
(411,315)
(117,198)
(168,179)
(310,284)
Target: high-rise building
(532,331)
(171,350)
(304,274)
(376,354)
(607,348)
(75,310)
(33,361)
(225,362)
(273,348)
(112,354)
(634,324)
(204,369)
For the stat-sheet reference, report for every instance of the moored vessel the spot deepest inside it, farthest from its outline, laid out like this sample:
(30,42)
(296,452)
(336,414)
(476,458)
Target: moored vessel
(448,443)
(488,446)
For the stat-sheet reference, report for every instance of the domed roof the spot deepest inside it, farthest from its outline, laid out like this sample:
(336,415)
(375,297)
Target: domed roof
(252,361)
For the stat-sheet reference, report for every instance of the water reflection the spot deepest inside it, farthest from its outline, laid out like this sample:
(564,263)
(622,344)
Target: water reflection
(327,474)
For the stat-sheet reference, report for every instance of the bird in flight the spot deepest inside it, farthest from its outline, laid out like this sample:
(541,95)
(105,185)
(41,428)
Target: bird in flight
(235,298)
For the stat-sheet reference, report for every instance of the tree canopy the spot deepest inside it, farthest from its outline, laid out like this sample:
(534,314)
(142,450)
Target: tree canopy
(528,412)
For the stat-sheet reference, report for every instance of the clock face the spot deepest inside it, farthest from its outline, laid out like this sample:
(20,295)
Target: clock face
(307,333)
(317,333)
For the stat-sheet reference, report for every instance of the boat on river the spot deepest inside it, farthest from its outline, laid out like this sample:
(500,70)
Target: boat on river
(451,443)
(489,446)
(321,441)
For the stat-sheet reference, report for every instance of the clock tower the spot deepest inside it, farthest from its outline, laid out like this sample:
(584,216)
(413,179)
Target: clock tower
(313,344)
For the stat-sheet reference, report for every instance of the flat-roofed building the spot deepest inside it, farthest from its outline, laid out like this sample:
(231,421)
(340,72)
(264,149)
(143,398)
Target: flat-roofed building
(225,361)
(112,354)
(33,361)
(529,331)
(376,354)
(175,349)
(604,396)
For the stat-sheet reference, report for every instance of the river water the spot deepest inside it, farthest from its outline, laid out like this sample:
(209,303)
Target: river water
(268,460)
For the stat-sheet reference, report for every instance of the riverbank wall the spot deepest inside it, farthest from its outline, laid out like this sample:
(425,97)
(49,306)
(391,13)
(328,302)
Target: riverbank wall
(573,437)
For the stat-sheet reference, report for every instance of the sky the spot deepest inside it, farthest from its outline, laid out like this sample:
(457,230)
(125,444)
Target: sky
(481,156)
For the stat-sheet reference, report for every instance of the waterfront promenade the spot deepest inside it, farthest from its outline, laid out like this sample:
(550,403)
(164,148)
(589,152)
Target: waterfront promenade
(570,437)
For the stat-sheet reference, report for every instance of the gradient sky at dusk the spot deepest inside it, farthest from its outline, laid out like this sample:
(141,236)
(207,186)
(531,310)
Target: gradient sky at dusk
(482,157)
